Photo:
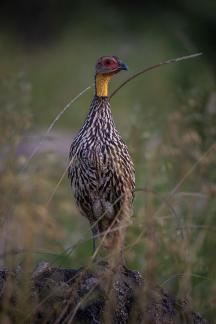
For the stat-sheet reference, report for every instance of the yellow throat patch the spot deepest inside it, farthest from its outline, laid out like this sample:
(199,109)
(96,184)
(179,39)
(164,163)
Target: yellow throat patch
(102,81)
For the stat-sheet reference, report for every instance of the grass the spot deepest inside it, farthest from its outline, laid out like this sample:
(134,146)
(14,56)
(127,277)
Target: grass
(168,121)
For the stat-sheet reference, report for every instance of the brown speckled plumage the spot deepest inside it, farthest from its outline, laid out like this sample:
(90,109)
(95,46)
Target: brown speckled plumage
(101,172)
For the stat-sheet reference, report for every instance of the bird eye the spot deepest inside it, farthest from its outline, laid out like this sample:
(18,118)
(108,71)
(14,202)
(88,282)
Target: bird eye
(108,62)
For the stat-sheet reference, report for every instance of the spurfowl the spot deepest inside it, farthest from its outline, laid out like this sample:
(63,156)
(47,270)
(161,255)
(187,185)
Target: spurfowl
(101,170)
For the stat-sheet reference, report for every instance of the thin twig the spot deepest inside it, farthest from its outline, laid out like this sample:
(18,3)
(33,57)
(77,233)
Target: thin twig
(52,125)
(174,276)
(152,67)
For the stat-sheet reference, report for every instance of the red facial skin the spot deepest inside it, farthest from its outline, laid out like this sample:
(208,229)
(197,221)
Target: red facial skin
(110,63)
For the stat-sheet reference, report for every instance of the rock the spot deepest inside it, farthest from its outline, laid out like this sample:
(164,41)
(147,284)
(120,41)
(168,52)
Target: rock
(99,295)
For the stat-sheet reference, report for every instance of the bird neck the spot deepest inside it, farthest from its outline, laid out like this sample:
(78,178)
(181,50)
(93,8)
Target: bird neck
(101,84)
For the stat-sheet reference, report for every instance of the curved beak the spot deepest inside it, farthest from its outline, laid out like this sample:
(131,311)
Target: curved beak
(123,66)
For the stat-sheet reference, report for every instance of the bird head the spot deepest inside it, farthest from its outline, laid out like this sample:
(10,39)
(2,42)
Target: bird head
(109,65)
(106,67)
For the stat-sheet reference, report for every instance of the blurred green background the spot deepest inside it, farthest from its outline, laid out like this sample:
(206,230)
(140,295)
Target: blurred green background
(167,117)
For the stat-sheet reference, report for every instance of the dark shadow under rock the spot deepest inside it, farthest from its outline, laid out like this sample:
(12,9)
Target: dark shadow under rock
(99,295)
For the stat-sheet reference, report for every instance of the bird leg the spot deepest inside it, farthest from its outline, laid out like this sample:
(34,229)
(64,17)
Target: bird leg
(95,233)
